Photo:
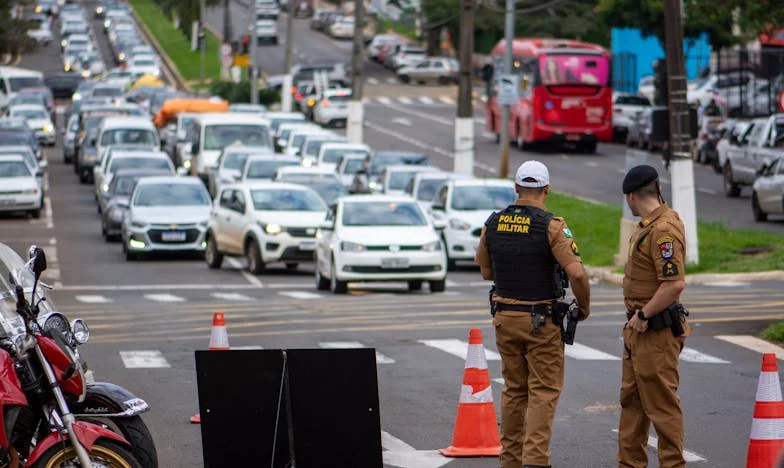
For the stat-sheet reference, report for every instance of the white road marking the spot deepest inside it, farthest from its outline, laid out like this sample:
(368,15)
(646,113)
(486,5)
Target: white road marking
(48,215)
(620,171)
(565,157)
(391,80)
(402,121)
(458,348)
(480,121)
(380,358)
(247,348)
(249,277)
(384,100)
(499,380)
(146,359)
(727,284)
(425,100)
(688,455)
(405,100)
(584,353)
(93,299)
(707,190)
(447,100)
(408,139)
(692,355)
(46,182)
(422,115)
(400,454)
(300,294)
(753,343)
(372,81)
(164,298)
(232,297)
(591,163)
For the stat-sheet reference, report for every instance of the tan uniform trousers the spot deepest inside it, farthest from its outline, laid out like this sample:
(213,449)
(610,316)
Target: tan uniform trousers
(533,370)
(649,393)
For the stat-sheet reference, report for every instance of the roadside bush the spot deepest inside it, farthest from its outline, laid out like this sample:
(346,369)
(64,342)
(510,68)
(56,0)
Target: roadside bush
(240,93)
(774,332)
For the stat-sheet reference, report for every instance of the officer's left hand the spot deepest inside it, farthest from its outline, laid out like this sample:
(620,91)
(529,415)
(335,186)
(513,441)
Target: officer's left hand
(637,325)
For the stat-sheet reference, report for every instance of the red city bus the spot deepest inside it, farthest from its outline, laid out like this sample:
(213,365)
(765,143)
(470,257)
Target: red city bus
(565,93)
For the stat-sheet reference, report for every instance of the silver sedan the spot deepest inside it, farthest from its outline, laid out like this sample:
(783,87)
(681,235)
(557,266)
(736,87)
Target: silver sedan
(768,195)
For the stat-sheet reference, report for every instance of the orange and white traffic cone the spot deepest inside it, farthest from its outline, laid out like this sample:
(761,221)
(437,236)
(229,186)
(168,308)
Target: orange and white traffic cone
(767,427)
(219,341)
(476,429)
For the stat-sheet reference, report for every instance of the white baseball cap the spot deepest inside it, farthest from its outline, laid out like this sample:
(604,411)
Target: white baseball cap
(532,170)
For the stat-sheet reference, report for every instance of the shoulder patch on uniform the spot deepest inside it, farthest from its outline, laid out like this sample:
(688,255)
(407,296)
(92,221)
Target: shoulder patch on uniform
(669,269)
(567,233)
(574,248)
(665,247)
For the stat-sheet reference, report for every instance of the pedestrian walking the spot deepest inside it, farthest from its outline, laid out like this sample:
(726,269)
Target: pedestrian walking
(524,249)
(656,330)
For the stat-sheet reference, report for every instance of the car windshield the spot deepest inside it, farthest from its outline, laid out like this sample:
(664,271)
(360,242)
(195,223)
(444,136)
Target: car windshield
(399,179)
(217,137)
(143,63)
(333,156)
(27,99)
(427,188)
(266,169)
(171,194)
(128,135)
(275,124)
(235,160)
(139,163)
(15,138)
(352,166)
(382,214)
(18,82)
(124,185)
(382,160)
(14,169)
(298,139)
(482,197)
(30,113)
(286,200)
(26,153)
(108,92)
(327,188)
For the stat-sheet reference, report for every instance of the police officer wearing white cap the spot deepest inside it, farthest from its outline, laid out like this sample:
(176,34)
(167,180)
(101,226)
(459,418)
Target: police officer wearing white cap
(523,248)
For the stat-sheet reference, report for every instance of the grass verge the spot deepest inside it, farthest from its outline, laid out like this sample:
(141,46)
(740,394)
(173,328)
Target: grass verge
(385,25)
(596,231)
(176,45)
(774,332)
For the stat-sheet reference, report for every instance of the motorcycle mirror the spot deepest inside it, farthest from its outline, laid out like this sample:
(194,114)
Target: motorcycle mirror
(38,257)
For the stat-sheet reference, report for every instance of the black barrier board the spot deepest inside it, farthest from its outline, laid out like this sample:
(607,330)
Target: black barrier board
(333,400)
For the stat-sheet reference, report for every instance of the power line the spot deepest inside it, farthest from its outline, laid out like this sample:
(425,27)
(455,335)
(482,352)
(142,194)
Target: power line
(531,9)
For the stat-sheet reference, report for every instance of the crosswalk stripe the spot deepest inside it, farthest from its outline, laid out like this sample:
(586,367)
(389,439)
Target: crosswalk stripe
(372,81)
(446,100)
(247,348)
(164,298)
(380,358)
(692,355)
(405,100)
(458,348)
(753,343)
(425,100)
(300,294)
(391,80)
(93,299)
(584,353)
(144,359)
(384,100)
(232,296)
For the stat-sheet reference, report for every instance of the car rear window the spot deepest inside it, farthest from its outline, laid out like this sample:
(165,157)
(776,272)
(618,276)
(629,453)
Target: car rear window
(633,100)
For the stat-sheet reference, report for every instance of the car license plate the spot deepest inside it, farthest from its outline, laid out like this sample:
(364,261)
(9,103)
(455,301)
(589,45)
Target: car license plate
(173,236)
(394,263)
(573,137)
(7,201)
(307,246)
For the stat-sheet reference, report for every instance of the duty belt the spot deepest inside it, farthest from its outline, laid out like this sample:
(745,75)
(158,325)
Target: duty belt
(671,318)
(539,313)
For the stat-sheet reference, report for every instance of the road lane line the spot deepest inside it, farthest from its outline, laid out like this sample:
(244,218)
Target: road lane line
(592,164)
(384,100)
(232,297)
(380,358)
(620,171)
(405,100)
(458,348)
(688,455)
(584,353)
(422,115)
(48,215)
(727,284)
(692,355)
(144,359)
(408,139)
(372,81)
(300,294)
(402,121)
(247,348)
(164,298)
(249,277)
(753,343)
(93,299)
(707,190)
(391,80)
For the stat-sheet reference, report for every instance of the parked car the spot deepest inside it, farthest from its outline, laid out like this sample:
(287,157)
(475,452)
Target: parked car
(708,136)
(342,28)
(639,132)
(404,56)
(441,70)
(768,191)
(765,144)
(625,107)
(733,137)
(378,42)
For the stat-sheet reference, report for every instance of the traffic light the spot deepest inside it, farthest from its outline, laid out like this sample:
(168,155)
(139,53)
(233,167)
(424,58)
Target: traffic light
(245,44)
(660,94)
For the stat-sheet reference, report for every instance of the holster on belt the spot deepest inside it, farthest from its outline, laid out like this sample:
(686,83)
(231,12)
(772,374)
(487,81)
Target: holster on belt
(671,317)
(539,313)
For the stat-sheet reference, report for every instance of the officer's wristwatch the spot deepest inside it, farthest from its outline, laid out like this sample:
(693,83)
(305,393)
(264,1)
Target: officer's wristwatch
(641,315)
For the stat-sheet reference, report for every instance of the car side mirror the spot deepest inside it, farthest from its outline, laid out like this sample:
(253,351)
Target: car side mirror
(327,225)
(763,170)
(181,171)
(37,255)
(439,224)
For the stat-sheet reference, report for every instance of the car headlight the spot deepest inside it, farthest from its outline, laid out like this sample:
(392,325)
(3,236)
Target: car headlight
(459,224)
(116,214)
(99,10)
(80,331)
(105,187)
(186,164)
(434,246)
(347,246)
(106,24)
(374,185)
(63,43)
(76,96)
(67,67)
(138,224)
(272,228)
(48,128)
(121,56)
(85,73)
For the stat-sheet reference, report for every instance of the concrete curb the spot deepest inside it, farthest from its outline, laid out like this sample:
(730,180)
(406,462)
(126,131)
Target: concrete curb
(608,276)
(170,67)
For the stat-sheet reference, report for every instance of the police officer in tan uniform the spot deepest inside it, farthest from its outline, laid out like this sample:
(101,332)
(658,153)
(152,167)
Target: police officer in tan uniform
(522,249)
(656,329)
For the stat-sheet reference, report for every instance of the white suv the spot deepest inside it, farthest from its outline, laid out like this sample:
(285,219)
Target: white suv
(333,107)
(266,222)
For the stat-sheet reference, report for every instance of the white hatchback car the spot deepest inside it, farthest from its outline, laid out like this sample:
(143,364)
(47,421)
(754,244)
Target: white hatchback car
(38,119)
(332,109)
(465,205)
(19,190)
(266,222)
(379,238)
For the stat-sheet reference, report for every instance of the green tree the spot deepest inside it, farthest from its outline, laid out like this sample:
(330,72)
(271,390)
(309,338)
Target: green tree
(186,10)
(13,31)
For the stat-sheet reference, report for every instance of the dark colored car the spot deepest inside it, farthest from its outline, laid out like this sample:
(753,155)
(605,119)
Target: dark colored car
(113,201)
(63,85)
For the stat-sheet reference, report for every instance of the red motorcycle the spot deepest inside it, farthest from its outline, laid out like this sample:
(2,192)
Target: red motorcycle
(38,372)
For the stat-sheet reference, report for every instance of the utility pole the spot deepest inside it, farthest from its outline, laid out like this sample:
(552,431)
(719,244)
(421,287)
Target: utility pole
(202,39)
(227,33)
(287,78)
(254,67)
(681,167)
(503,171)
(464,123)
(356,113)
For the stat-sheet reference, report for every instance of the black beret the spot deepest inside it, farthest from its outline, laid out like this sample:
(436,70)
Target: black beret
(639,176)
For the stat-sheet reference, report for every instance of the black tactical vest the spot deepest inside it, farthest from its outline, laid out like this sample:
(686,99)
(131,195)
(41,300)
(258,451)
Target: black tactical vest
(519,247)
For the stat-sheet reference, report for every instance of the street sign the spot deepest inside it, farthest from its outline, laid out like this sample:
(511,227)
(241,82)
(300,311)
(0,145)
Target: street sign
(507,89)
(241,60)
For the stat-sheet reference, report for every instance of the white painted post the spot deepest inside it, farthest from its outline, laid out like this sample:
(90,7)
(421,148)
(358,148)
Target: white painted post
(285,94)
(464,145)
(356,118)
(684,201)
(628,220)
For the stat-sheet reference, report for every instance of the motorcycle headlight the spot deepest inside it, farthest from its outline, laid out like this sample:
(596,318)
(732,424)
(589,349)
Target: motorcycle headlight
(432,246)
(138,224)
(63,43)
(272,228)
(121,56)
(347,246)
(80,331)
(459,224)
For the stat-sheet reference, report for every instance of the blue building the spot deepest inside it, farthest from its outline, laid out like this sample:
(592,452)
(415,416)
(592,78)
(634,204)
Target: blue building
(633,56)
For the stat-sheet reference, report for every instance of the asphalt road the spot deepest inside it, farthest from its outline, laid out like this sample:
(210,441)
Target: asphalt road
(162,308)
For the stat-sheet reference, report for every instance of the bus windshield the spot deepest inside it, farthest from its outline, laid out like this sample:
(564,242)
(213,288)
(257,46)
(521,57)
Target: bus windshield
(557,69)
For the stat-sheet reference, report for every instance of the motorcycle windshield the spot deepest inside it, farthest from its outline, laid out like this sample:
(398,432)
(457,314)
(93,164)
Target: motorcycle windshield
(13,272)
